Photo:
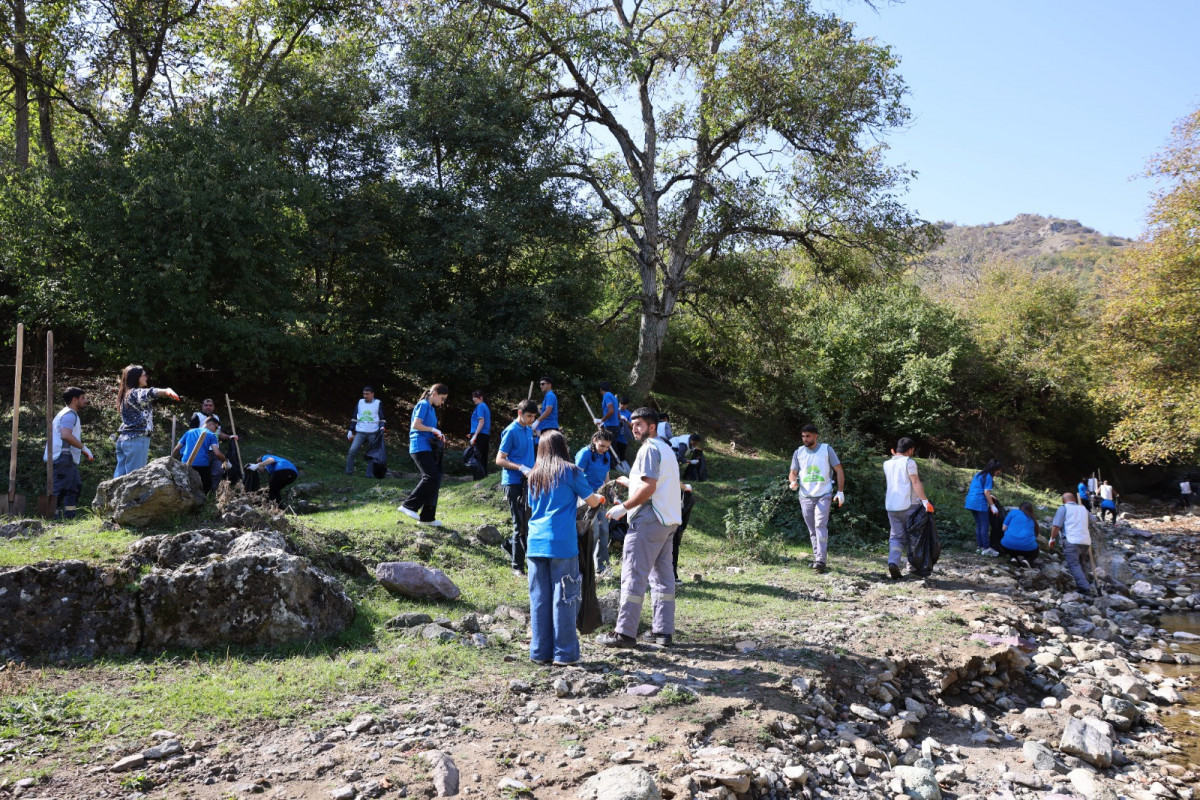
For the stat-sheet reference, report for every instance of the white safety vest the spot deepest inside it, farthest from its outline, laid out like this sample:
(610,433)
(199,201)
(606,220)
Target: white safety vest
(56,435)
(900,496)
(368,416)
(1075,524)
(815,475)
(667,500)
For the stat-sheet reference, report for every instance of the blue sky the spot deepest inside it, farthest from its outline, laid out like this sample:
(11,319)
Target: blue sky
(1050,107)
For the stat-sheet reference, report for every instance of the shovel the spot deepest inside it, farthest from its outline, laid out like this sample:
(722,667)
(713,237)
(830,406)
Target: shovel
(47,503)
(14,504)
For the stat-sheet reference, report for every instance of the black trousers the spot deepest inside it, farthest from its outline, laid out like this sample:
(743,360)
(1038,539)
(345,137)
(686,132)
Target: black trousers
(424,496)
(482,446)
(279,479)
(67,483)
(205,474)
(620,449)
(1028,555)
(518,509)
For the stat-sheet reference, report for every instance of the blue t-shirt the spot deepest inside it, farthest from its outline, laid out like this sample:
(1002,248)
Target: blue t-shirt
(550,401)
(1082,489)
(422,441)
(976,500)
(481,412)
(206,439)
(595,466)
(552,521)
(1020,534)
(627,416)
(517,445)
(610,399)
(280,463)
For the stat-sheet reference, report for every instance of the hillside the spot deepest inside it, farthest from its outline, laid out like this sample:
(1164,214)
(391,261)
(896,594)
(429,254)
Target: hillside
(1046,244)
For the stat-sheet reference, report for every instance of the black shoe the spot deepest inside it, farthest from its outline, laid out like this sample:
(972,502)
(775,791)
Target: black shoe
(820,567)
(506,546)
(518,571)
(894,571)
(660,639)
(615,639)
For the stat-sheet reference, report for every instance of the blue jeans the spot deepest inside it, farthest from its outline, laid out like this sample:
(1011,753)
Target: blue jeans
(132,454)
(1071,555)
(355,446)
(555,589)
(983,530)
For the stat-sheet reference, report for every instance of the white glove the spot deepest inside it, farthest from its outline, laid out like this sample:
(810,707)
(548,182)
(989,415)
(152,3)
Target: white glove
(349,436)
(597,420)
(694,461)
(87,452)
(841,498)
(617,512)
(253,467)
(534,427)
(995,510)
(524,469)
(436,433)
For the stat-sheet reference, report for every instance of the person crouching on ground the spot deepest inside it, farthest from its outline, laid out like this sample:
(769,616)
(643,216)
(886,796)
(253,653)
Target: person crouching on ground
(199,447)
(980,503)
(1020,533)
(280,473)
(426,444)
(813,467)
(1072,519)
(905,493)
(553,551)
(655,509)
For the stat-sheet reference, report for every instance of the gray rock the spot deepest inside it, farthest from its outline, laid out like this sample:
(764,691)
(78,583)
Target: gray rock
(1090,739)
(1088,784)
(512,785)
(359,724)
(625,782)
(1121,713)
(307,489)
(438,633)
(409,619)
(346,792)
(1039,756)
(610,604)
(862,712)
(135,761)
(444,771)
(489,534)
(410,579)
(156,494)
(918,782)
(170,747)
(22,527)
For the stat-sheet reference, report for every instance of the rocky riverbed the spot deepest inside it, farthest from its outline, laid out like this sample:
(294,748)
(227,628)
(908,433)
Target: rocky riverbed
(1015,687)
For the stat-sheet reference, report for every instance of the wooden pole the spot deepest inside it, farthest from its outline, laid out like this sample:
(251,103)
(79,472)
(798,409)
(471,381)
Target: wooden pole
(16,429)
(171,444)
(49,413)
(233,429)
(599,426)
(530,395)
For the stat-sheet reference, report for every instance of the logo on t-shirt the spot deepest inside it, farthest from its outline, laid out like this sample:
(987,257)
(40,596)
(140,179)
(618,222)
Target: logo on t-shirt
(812,474)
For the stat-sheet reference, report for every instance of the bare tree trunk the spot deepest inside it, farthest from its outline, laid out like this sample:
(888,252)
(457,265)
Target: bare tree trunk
(21,83)
(652,333)
(46,123)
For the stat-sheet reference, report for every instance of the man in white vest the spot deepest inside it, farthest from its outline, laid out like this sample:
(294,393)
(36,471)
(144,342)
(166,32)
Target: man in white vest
(368,420)
(813,466)
(655,509)
(905,494)
(66,438)
(1072,519)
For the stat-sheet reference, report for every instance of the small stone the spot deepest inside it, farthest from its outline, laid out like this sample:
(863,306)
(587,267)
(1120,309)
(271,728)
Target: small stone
(862,712)
(512,785)
(360,723)
(346,792)
(621,757)
(562,688)
(798,775)
(517,686)
(746,646)
(135,761)
(167,749)
(1090,739)
(409,620)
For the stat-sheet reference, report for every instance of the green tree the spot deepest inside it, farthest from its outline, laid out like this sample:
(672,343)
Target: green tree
(701,128)
(1152,318)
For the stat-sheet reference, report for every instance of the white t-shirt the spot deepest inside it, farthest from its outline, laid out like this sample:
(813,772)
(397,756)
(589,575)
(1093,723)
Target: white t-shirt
(664,430)
(1185,487)
(900,493)
(1106,492)
(1092,484)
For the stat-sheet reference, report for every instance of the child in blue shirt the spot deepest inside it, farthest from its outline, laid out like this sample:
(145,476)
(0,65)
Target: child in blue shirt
(1020,533)
(481,428)
(548,418)
(595,460)
(516,456)
(204,444)
(280,472)
(425,446)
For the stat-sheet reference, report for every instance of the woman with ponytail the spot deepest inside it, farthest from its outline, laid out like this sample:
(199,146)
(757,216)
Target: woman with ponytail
(980,503)
(555,586)
(135,405)
(426,444)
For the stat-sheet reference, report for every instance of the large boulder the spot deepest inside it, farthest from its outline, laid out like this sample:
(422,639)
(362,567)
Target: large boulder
(1090,739)
(410,579)
(159,492)
(620,783)
(67,609)
(210,588)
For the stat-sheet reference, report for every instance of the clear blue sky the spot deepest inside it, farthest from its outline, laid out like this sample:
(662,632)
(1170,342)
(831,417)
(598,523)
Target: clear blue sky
(1050,107)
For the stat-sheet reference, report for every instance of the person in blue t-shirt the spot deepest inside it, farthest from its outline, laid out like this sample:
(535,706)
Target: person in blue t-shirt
(426,444)
(516,456)
(548,417)
(595,460)
(1082,491)
(199,446)
(280,472)
(979,502)
(621,442)
(555,586)
(1020,533)
(481,428)
(610,414)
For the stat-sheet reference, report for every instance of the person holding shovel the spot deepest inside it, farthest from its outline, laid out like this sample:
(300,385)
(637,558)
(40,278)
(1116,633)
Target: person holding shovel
(135,403)
(198,448)
(67,448)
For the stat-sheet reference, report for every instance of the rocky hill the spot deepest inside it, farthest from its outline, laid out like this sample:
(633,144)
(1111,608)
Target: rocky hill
(1045,244)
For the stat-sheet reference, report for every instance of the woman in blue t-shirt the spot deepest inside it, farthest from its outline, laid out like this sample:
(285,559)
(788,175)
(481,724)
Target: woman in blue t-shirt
(979,502)
(426,444)
(555,586)
(1020,533)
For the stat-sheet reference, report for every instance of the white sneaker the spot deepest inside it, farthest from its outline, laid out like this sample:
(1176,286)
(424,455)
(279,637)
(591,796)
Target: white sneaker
(408,512)
(990,552)
(437,523)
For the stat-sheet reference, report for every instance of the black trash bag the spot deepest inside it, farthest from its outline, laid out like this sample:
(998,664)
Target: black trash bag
(924,546)
(696,472)
(253,481)
(376,456)
(689,502)
(996,526)
(588,619)
(234,474)
(471,462)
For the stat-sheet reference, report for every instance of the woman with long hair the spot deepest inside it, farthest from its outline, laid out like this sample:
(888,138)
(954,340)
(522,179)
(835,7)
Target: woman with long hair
(555,586)
(135,404)
(426,444)
(1020,533)
(980,503)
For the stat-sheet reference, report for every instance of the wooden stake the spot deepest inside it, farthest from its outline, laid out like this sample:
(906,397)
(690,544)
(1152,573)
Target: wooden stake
(233,429)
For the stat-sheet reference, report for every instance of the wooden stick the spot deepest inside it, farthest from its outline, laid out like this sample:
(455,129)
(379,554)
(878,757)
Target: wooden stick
(171,446)
(12,462)
(530,395)
(232,427)
(49,413)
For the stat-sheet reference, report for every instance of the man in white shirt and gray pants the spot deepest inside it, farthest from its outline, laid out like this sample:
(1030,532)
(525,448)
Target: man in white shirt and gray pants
(813,467)
(1072,519)
(905,494)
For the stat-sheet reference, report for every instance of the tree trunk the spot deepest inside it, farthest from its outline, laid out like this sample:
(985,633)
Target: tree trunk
(652,333)
(46,124)
(21,84)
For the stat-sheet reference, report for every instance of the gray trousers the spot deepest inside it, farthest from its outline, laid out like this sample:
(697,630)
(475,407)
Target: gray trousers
(816,518)
(646,560)
(1072,553)
(898,535)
